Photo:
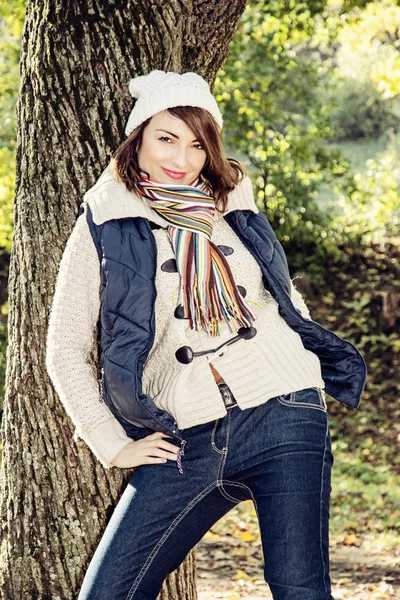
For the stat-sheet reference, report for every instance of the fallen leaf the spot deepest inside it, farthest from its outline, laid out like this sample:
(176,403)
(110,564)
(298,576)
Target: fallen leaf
(241,575)
(247,536)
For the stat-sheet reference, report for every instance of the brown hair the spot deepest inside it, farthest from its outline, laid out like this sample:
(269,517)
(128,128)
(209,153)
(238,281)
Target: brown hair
(222,173)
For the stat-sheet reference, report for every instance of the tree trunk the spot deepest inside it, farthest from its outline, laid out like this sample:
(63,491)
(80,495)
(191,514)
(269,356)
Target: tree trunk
(76,62)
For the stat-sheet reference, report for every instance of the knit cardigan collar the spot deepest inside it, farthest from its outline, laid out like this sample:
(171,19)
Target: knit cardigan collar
(109,199)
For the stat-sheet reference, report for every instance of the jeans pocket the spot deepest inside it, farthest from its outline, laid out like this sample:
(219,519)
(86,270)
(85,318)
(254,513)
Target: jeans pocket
(312,397)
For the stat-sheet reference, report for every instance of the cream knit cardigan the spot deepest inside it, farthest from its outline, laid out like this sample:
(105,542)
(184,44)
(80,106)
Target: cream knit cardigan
(274,362)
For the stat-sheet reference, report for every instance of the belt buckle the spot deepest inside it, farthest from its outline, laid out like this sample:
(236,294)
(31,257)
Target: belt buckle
(227,396)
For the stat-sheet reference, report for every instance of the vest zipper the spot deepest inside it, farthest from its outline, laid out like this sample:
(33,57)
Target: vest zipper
(181,452)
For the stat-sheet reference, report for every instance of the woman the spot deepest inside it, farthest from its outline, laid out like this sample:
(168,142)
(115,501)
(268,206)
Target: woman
(213,372)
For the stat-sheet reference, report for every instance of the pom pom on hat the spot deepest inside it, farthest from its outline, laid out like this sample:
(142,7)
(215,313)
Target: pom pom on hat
(160,90)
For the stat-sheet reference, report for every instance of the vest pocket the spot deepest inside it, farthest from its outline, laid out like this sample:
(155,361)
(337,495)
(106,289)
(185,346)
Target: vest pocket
(312,397)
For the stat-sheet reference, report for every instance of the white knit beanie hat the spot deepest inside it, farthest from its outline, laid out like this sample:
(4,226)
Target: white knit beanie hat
(160,90)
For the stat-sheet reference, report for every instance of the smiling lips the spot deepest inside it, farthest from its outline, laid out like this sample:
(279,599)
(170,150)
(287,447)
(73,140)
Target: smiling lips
(174,174)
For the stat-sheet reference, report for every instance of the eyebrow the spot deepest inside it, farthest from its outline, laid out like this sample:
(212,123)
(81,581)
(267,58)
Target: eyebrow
(174,135)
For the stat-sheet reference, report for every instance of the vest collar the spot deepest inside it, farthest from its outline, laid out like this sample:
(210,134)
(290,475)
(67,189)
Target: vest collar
(109,199)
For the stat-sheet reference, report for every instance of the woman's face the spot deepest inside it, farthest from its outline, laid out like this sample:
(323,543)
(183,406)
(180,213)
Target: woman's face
(169,151)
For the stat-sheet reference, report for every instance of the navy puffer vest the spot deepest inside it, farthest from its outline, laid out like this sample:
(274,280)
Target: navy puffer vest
(127,252)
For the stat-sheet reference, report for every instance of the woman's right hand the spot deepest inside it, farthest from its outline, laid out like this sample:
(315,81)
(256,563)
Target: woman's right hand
(149,450)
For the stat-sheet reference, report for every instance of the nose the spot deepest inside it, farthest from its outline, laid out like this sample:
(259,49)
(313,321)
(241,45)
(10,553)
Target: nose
(180,157)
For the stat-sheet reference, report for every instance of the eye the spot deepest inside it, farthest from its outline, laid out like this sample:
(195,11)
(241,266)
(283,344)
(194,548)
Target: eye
(166,137)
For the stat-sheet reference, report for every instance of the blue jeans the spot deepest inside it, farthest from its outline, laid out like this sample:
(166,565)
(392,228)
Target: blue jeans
(277,454)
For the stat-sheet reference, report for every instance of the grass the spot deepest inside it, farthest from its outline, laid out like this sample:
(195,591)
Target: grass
(365,497)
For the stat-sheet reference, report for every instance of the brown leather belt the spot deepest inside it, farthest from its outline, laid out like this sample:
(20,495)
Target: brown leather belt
(227,396)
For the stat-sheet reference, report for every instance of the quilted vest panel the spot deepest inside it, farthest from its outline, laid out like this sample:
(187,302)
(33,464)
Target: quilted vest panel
(127,257)
(343,367)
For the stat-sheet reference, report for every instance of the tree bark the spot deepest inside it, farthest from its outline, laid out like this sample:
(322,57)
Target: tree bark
(76,62)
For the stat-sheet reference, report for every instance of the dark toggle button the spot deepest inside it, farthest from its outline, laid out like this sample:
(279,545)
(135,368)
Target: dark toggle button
(179,312)
(247,332)
(226,250)
(170,266)
(242,290)
(185,354)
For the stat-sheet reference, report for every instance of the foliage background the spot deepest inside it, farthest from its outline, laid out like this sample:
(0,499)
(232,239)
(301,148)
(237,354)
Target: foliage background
(310,94)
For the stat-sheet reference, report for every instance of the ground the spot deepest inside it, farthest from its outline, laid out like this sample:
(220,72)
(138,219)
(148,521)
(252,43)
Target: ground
(230,561)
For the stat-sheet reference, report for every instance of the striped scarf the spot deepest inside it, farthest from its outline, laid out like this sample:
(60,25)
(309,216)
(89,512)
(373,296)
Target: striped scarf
(207,286)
